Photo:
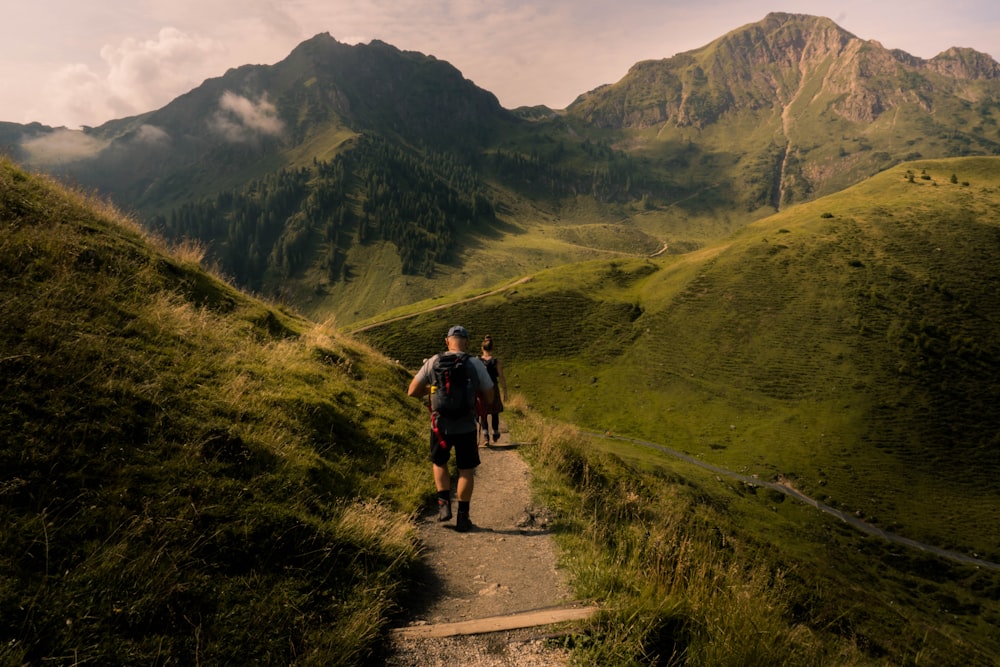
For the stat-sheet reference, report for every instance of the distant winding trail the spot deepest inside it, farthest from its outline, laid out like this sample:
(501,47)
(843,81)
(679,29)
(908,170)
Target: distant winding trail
(785,487)
(442,306)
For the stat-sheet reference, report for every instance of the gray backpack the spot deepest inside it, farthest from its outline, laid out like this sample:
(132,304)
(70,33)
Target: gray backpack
(454,394)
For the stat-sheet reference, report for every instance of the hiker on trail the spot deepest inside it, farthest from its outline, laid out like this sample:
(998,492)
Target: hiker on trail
(453,378)
(489,412)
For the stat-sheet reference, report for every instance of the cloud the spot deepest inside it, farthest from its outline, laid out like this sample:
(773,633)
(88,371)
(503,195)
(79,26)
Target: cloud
(151,134)
(118,58)
(239,119)
(141,69)
(75,91)
(61,146)
(140,75)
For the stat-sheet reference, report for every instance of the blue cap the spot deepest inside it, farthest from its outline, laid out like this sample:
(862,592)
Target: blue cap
(458,331)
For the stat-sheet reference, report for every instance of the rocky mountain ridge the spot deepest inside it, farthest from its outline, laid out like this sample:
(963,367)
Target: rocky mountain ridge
(764,64)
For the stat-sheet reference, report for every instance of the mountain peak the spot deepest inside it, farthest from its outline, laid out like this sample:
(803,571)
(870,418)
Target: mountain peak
(376,86)
(782,38)
(965,63)
(764,65)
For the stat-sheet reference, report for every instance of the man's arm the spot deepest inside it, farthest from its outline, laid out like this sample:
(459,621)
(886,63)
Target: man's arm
(420,385)
(417,388)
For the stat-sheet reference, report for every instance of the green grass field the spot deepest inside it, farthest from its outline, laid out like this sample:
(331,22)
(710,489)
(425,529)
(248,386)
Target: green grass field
(194,473)
(848,345)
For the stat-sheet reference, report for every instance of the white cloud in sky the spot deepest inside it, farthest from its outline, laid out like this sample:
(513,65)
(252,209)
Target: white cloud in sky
(137,67)
(69,62)
(136,76)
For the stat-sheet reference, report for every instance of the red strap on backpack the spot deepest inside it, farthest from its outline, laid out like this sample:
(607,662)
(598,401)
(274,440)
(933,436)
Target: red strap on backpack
(434,427)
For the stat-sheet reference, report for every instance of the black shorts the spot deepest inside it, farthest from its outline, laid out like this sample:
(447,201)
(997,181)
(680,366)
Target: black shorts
(466,448)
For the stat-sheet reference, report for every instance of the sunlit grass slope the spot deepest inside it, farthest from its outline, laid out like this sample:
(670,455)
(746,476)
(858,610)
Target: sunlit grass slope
(849,346)
(187,475)
(692,568)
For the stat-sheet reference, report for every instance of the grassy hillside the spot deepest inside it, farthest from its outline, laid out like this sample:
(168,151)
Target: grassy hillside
(848,346)
(794,107)
(847,342)
(308,181)
(693,568)
(189,476)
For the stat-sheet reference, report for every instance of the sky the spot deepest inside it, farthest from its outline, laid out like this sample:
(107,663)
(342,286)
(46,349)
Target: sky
(72,63)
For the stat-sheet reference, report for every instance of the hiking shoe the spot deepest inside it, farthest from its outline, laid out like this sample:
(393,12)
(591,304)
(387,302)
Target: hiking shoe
(444,511)
(496,437)
(463,524)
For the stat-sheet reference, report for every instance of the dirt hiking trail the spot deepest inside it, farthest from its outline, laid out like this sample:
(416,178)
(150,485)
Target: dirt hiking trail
(491,596)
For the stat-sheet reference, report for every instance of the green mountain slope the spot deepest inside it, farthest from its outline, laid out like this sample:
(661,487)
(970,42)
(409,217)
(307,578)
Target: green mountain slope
(188,465)
(794,107)
(257,119)
(849,345)
(188,474)
(679,153)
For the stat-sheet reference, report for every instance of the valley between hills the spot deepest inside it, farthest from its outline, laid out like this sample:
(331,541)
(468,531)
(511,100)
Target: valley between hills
(779,483)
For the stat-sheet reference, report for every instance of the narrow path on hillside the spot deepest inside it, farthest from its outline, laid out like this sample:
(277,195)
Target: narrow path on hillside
(490,596)
(784,486)
(349,330)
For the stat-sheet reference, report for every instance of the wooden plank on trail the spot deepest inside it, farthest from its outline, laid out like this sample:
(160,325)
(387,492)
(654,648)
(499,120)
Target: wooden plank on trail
(497,623)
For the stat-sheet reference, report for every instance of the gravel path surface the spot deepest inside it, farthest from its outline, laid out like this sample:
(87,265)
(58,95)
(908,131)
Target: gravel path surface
(505,565)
